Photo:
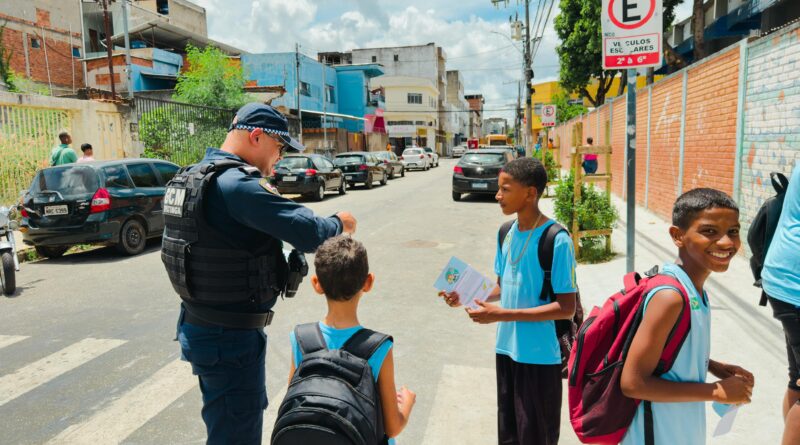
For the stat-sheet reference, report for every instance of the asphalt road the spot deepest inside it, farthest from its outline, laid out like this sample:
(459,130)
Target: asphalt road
(87,352)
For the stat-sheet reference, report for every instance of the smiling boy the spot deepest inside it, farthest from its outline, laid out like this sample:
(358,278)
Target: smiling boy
(705,229)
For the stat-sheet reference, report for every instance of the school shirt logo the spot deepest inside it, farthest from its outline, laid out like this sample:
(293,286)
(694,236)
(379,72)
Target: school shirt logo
(695,303)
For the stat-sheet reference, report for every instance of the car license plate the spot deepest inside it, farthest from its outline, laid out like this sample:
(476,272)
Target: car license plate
(480,185)
(290,178)
(56,210)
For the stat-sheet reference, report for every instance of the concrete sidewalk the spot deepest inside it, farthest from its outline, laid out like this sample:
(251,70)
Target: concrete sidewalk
(743,333)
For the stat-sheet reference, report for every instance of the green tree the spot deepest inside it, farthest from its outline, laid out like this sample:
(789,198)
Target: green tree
(564,109)
(212,80)
(6,73)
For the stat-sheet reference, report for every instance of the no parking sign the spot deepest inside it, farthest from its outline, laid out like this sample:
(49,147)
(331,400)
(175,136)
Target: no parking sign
(549,116)
(632,33)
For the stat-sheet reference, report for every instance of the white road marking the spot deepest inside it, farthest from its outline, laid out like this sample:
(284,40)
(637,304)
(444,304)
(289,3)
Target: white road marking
(465,407)
(119,419)
(8,340)
(52,366)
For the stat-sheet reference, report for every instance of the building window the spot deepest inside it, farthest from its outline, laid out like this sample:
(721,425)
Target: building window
(414,98)
(76,52)
(305,89)
(374,59)
(35,43)
(330,94)
(396,58)
(162,6)
(537,108)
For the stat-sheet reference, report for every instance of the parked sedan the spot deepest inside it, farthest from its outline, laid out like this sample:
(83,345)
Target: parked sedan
(392,163)
(415,158)
(478,170)
(310,175)
(433,156)
(362,166)
(459,151)
(118,203)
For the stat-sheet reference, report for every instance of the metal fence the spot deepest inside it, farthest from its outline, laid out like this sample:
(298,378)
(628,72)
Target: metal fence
(27,136)
(180,132)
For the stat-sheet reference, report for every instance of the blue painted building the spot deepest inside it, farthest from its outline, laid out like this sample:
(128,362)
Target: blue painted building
(345,89)
(162,75)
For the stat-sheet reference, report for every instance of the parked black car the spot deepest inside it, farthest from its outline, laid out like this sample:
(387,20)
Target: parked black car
(392,163)
(477,171)
(111,202)
(362,166)
(308,174)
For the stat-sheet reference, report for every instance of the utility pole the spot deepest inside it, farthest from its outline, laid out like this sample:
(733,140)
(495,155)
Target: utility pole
(297,88)
(127,47)
(528,79)
(107,26)
(324,108)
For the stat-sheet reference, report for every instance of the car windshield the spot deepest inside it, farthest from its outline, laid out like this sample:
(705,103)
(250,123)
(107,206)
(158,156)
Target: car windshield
(68,181)
(482,158)
(349,159)
(429,150)
(412,152)
(293,163)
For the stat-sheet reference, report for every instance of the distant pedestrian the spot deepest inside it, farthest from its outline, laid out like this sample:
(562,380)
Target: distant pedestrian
(388,147)
(550,144)
(88,153)
(590,160)
(780,279)
(63,153)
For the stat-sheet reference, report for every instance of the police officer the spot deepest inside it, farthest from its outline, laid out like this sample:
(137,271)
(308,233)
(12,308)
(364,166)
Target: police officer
(222,249)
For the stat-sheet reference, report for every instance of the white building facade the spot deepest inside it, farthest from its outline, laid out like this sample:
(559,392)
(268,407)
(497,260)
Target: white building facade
(412,113)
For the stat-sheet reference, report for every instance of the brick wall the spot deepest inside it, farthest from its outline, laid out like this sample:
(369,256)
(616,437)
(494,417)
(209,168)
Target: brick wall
(771,134)
(59,57)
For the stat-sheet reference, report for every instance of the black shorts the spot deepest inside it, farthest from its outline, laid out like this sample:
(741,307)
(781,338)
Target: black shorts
(789,316)
(528,402)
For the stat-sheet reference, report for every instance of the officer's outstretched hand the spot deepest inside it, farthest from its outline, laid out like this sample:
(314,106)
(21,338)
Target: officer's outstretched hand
(348,222)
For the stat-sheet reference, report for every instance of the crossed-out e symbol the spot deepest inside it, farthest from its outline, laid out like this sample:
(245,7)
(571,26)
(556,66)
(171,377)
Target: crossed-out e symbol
(630,21)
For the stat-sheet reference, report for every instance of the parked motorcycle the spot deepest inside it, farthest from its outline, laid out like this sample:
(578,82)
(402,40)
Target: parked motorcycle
(8,252)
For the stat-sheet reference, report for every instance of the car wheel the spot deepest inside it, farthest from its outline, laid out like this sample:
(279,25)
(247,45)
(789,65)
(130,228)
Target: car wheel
(403,172)
(427,167)
(132,238)
(384,179)
(320,194)
(456,196)
(343,187)
(391,175)
(51,251)
(9,280)
(368,184)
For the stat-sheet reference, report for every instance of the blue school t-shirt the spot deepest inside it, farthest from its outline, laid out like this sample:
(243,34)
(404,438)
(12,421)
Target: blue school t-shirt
(683,422)
(531,342)
(780,277)
(335,339)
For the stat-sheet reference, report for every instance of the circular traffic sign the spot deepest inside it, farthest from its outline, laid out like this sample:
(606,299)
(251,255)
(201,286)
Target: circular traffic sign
(651,10)
(549,110)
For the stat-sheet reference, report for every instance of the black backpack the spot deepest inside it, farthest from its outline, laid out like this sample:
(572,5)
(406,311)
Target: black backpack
(333,398)
(566,330)
(762,229)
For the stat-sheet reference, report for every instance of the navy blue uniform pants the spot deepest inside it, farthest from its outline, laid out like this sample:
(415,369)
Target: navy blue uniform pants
(230,364)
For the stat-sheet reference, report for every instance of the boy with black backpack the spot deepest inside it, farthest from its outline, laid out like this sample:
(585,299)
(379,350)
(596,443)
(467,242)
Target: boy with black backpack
(341,389)
(528,353)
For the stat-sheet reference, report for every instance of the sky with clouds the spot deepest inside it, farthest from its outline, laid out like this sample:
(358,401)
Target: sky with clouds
(473,33)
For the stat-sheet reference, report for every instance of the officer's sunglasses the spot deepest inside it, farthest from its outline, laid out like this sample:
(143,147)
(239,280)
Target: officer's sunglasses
(281,144)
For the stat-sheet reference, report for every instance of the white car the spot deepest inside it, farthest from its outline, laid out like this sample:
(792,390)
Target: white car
(433,156)
(415,158)
(459,151)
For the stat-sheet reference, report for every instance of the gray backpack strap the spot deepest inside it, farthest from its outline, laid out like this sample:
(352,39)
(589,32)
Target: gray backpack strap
(365,342)
(309,338)
(503,232)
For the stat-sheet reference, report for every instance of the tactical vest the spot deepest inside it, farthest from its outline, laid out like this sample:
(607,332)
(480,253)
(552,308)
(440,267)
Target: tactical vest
(204,265)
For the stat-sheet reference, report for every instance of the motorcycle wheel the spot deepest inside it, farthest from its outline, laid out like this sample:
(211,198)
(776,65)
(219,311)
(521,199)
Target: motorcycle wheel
(9,279)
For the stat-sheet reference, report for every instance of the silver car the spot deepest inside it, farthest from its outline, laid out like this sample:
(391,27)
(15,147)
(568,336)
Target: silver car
(415,158)
(459,151)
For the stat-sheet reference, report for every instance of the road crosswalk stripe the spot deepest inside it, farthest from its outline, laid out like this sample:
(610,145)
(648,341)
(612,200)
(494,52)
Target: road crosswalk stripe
(8,340)
(465,407)
(43,370)
(113,423)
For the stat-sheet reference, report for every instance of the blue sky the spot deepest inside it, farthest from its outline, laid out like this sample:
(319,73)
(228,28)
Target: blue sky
(468,30)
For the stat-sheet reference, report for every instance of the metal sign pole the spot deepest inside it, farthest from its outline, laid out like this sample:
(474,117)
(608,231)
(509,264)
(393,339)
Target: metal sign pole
(630,142)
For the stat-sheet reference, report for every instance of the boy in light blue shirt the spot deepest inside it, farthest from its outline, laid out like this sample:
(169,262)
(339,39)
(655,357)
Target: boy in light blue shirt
(528,356)
(780,279)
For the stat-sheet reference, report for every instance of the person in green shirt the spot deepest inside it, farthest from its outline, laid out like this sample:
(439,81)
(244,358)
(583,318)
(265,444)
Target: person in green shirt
(62,153)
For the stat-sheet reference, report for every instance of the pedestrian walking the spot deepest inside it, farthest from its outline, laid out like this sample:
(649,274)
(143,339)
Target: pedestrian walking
(88,153)
(223,250)
(780,280)
(63,153)
(528,355)
(590,159)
